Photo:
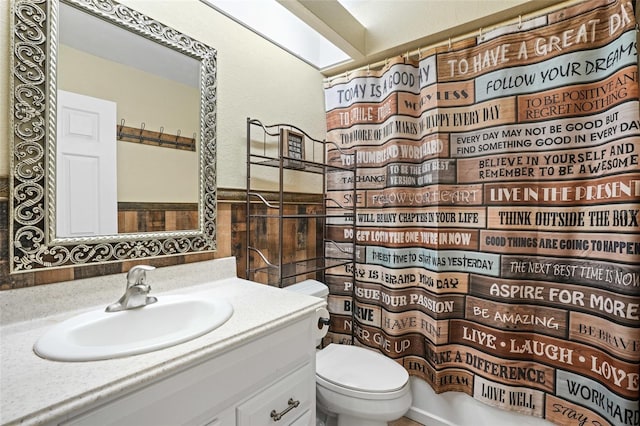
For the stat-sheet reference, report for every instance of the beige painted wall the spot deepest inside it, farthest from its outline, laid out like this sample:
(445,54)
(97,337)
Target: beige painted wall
(255,79)
(430,18)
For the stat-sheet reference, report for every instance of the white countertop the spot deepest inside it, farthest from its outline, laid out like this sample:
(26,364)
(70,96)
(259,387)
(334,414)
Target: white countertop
(35,391)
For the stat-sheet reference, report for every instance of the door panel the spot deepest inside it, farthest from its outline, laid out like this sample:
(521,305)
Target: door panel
(86,176)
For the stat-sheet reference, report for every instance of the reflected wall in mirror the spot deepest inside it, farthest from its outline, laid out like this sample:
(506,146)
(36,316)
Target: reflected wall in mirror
(165,118)
(155,93)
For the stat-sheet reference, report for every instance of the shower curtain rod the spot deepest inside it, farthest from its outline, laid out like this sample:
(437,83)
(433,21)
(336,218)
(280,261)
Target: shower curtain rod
(451,40)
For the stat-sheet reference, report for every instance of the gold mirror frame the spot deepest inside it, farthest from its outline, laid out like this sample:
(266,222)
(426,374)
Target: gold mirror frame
(33,42)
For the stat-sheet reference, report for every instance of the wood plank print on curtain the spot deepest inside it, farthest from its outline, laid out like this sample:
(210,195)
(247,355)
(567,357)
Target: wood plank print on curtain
(498,215)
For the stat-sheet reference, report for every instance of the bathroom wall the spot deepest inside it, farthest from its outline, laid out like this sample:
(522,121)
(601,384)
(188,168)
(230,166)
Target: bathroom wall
(255,79)
(231,225)
(259,80)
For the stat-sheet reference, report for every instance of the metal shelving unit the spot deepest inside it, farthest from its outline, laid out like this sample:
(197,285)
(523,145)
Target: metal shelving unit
(290,151)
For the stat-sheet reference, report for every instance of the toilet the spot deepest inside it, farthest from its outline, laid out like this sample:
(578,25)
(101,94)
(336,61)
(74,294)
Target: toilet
(356,386)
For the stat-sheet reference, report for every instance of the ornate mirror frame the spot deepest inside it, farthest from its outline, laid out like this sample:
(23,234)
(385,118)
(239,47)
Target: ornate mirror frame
(33,42)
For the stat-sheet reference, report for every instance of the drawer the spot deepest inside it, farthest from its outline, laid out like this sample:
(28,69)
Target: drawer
(285,402)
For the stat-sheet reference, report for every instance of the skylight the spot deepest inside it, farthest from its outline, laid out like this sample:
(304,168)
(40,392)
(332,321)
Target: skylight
(275,23)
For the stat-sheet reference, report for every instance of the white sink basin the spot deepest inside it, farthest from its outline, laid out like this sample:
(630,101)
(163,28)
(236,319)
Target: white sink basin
(103,335)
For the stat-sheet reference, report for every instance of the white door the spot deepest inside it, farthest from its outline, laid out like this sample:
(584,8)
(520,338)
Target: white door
(86,182)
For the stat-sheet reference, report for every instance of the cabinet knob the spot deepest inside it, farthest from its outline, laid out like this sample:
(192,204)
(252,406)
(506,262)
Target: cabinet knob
(291,405)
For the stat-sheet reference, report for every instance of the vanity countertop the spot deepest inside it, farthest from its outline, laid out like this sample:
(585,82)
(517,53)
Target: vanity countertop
(34,390)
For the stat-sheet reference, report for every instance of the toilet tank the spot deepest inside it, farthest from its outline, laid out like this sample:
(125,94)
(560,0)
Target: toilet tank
(310,288)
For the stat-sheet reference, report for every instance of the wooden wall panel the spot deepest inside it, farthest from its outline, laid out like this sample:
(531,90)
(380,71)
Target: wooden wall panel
(231,238)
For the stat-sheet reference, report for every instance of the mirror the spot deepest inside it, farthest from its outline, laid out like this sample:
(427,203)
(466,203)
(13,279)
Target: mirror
(162,128)
(145,163)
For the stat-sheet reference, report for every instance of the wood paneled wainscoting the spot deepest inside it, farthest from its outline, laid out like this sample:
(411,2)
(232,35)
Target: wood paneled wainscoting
(156,217)
(303,239)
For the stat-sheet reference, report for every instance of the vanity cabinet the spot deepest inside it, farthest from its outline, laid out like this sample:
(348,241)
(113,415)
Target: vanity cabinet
(270,380)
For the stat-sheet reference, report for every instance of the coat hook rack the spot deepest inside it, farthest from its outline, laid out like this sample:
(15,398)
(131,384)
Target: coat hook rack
(160,138)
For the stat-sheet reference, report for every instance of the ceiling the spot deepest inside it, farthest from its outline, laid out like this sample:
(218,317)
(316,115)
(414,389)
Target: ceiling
(371,30)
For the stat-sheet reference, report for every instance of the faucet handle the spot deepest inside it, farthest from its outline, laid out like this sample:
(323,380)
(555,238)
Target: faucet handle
(137,274)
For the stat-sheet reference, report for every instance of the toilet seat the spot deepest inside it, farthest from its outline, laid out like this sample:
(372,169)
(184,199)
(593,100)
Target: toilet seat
(360,372)
(355,394)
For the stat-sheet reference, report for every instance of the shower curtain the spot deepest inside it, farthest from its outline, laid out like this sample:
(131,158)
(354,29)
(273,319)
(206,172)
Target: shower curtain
(497,224)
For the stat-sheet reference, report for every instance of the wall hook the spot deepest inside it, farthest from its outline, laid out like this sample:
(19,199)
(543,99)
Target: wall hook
(121,128)
(152,137)
(141,130)
(160,135)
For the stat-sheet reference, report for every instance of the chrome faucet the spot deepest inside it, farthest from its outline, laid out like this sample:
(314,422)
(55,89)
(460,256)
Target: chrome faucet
(136,293)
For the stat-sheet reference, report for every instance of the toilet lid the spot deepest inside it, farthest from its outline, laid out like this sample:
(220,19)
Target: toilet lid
(361,369)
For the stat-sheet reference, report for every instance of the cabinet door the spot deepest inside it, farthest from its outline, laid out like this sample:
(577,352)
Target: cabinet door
(282,403)
(306,419)
(110,416)
(226,418)
(196,395)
